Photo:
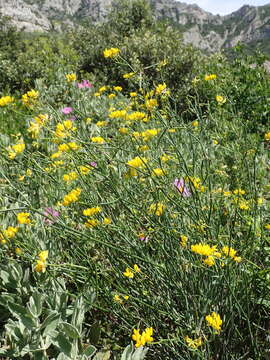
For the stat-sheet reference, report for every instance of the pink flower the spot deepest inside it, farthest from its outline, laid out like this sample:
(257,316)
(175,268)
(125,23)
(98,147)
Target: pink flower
(51,215)
(84,84)
(93,164)
(181,187)
(67,110)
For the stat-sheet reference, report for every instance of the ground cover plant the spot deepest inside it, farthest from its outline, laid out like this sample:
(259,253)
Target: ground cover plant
(124,222)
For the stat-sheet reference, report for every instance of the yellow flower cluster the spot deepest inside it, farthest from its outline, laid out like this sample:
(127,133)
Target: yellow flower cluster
(64,129)
(71,77)
(5,100)
(16,149)
(210,77)
(35,125)
(193,344)
(214,321)
(144,338)
(65,148)
(211,253)
(120,298)
(196,182)
(128,75)
(220,99)
(29,98)
(8,234)
(129,273)
(23,218)
(161,89)
(41,262)
(92,211)
(156,209)
(72,196)
(70,176)
(110,53)
(98,140)
(137,162)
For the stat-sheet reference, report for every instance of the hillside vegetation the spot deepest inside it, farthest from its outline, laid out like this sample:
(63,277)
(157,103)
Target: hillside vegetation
(134,183)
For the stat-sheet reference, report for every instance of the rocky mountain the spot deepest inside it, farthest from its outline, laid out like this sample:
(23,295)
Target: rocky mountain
(209,32)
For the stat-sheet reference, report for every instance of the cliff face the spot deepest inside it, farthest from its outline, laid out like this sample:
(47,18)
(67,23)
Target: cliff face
(204,30)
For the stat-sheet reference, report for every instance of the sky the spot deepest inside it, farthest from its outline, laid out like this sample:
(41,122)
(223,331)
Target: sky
(224,7)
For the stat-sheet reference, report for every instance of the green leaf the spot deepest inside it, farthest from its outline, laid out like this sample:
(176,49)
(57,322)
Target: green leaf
(35,304)
(23,315)
(139,353)
(63,344)
(70,330)
(127,354)
(94,334)
(50,323)
(89,350)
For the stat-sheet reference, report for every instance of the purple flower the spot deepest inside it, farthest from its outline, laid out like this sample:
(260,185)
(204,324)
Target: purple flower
(51,215)
(93,164)
(181,187)
(84,84)
(67,110)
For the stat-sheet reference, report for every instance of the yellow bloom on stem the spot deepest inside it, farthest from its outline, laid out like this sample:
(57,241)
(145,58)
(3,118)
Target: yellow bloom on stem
(40,266)
(156,209)
(107,221)
(128,75)
(110,53)
(267,136)
(92,211)
(209,261)
(183,240)
(5,100)
(71,77)
(10,232)
(214,321)
(137,162)
(193,344)
(210,77)
(23,218)
(72,196)
(98,140)
(136,268)
(14,150)
(220,99)
(158,172)
(144,338)
(128,273)
(43,255)
(90,223)
(204,249)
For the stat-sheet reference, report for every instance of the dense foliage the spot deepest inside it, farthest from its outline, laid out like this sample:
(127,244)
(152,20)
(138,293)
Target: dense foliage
(134,187)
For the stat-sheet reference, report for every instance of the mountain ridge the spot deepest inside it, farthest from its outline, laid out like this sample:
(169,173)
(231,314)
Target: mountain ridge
(204,30)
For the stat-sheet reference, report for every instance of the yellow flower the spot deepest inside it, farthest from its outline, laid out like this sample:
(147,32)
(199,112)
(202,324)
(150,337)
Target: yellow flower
(239,192)
(210,77)
(209,261)
(43,255)
(267,136)
(195,123)
(111,96)
(117,88)
(107,221)
(149,134)
(70,176)
(23,218)
(133,94)
(220,99)
(91,223)
(10,232)
(128,273)
(118,114)
(158,172)
(136,268)
(5,100)
(128,75)
(183,240)
(267,226)
(92,211)
(193,344)
(84,170)
(156,209)
(40,266)
(214,321)
(110,53)
(117,298)
(71,77)
(137,162)
(144,338)
(98,140)
(123,130)
(151,103)
(18,251)
(16,149)
(71,197)
(161,89)
(204,249)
